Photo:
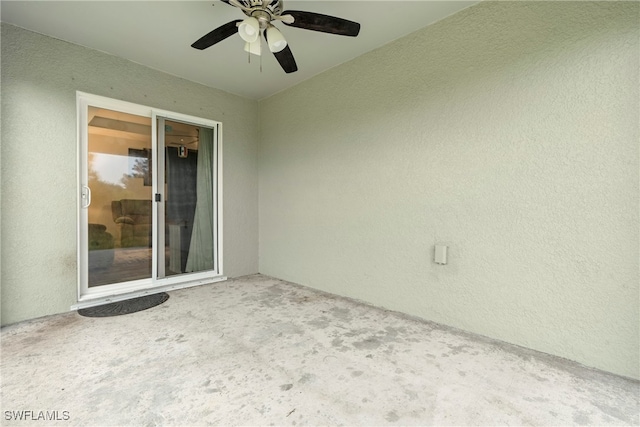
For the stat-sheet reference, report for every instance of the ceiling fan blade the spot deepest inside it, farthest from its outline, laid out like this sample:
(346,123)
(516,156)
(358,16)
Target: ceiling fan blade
(217,35)
(286,60)
(323,23)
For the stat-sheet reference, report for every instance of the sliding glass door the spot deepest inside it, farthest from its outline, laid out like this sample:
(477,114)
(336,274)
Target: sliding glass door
(149,213)
(189,202)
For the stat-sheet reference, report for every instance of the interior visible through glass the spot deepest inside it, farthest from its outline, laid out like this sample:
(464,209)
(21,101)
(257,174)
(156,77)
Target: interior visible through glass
(189,234)
(120,170)
(119,216)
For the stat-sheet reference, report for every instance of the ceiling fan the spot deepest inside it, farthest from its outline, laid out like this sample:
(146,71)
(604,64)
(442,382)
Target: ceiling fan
(261,14)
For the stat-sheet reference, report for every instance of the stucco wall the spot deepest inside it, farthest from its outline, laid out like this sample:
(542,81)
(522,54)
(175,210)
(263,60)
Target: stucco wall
(509,132)
(40,77)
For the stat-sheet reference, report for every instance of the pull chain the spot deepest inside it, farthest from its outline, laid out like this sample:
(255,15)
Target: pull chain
(260,39)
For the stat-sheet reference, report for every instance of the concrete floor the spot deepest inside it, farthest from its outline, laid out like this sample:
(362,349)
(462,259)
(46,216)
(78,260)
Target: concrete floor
(260,351)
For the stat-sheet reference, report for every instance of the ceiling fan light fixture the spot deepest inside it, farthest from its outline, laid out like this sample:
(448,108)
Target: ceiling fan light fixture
(275,39)
(249,29)
(254,48)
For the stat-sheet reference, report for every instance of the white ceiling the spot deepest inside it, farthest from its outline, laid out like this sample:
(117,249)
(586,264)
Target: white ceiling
(159,34)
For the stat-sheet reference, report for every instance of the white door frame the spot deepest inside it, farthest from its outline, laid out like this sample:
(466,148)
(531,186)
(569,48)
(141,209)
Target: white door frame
(105,293)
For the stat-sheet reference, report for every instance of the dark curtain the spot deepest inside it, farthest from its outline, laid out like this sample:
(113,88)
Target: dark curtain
(181,194)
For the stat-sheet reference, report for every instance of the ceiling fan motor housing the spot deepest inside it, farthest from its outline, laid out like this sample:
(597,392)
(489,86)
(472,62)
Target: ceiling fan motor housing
(273,8)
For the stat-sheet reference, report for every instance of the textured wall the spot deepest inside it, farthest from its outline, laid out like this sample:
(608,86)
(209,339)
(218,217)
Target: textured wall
(40,76)
(509,132)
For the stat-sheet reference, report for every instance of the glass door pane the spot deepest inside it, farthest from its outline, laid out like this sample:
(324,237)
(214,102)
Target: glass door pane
(189,202)
(119,229)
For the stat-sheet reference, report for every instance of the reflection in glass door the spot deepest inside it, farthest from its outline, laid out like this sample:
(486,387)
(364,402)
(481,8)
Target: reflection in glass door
(119,226)
(189,236)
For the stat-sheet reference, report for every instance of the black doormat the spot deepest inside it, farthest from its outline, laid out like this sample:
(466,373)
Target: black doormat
(125,307)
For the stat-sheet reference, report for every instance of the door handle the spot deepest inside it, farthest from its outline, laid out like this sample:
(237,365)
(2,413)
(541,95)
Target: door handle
(86,197)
